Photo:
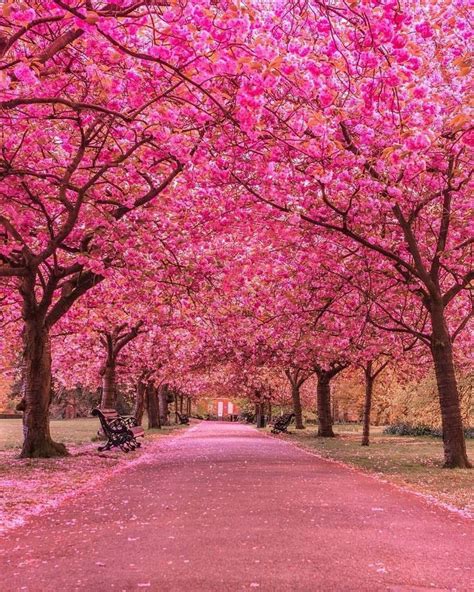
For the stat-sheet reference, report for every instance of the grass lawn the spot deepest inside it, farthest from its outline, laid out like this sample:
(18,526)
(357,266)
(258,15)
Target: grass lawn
(415,462)
(69,431)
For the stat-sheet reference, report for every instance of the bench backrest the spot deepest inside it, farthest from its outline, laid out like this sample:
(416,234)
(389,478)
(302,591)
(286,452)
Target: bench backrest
(109,413)
(284,419)
(106,417)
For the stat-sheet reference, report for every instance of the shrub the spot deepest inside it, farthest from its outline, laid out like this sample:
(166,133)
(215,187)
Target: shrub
(469,433)
(405,429)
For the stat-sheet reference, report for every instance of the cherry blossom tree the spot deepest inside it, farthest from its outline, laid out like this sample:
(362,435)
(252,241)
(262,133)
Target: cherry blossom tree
(294,173)
(106,106)
(113,342)
(364,136)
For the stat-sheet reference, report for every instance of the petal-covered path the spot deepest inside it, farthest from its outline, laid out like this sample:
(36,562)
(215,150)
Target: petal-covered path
(223,507)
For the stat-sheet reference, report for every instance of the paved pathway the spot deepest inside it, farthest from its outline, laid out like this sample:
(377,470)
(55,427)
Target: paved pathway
(224,508)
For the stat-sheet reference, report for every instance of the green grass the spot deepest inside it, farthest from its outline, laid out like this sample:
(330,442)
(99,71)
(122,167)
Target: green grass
(412,461)
(69,431)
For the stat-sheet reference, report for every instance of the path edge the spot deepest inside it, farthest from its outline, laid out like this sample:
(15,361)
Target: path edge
(97,481)
(428,499)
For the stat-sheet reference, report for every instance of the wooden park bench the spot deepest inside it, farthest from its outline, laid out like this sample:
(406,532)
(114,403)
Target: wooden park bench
(282,423)
(183,419)
(120,430)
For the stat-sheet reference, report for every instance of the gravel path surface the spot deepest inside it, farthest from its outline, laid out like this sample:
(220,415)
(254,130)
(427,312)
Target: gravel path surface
(224,508)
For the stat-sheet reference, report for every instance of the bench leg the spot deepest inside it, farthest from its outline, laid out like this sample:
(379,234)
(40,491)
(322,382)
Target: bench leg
(125,442)
(134,443)
(130,445)
(107,446)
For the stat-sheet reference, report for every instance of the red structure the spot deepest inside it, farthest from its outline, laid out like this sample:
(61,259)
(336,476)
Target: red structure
(219,408)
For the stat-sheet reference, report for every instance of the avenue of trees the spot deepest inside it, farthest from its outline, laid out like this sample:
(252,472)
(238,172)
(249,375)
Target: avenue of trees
(244,196)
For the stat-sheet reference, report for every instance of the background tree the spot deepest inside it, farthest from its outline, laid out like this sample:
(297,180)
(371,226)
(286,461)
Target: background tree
(113,341)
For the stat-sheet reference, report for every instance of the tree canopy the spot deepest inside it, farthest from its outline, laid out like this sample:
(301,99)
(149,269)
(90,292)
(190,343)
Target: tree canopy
(254,190)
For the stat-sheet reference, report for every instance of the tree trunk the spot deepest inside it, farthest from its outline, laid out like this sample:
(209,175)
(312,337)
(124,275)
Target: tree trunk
(176,408)
(336,412)
(156,394)
(109,399)
(369,387)
(70,408)
(324,406)
(140,402)
(163,395)
(258,414)
(297,409)
(152,407)
(455,455)
(181,400)
(37,395)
